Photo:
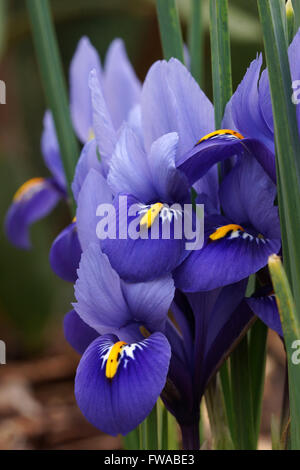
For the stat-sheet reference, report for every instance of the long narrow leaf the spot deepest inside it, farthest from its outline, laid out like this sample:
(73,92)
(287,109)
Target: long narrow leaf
(291,331)
(221,57)
(170,30)
(131,441)
(242,397)
(54,82)
(226,389)
(152,430)
(196,38)
(257,363)
(286,133)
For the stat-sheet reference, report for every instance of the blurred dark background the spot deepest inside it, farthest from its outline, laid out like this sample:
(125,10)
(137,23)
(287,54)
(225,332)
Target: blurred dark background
(32,299)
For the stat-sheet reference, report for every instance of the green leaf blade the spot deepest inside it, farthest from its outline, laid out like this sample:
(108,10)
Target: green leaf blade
(170,31)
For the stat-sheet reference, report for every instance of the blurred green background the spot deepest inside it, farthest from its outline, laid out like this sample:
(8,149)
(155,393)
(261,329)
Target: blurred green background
(32,300)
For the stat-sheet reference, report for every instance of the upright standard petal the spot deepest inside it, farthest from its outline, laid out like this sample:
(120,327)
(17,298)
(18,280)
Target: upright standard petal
(247,196)
(65,254)
(149,302)
(244,108)
(117,384)
(88,160)
(122,88)
(85,59)
(33,201)
(129,171)
(94,193)
(51,152)
(173,102)
(104,130)
(98,291)
(170,184)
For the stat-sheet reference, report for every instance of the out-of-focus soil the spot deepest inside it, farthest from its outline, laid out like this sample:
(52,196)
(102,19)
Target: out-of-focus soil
(38,408)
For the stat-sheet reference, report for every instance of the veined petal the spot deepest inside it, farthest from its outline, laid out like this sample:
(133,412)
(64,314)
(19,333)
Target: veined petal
(51,151)
(244,108)
(170,184)
(122,88)
(247,196)
(234,328)
(144,259)
(85,59)
(98,291)
(172,101)
(265,103)
(88,160)
(225,260)
(196,162)
(78,334)
(266,309)
(207,189)
(104,130)
(65,254)
(118,404)
(33,201)
(129,171)
(93,193)
(149,302)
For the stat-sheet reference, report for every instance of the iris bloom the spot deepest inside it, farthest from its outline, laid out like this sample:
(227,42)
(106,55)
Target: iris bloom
(121,374)
(143,165)
(238,242)
(36,198)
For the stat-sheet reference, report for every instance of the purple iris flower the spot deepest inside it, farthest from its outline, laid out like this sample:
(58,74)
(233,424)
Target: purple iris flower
(238,242)
(173,113)
(188,336)
(250,109)
(247,125)
(121,373)
(208,325)
(36,198)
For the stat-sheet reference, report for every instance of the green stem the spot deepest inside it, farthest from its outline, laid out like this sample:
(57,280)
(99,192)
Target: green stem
(291,331)
(170,30)
(226,389)
(217,416)
(164,428)
(257,365)
(131,441)
(54,83)
(221,57)
(152,430)
(196,40)
(242,397)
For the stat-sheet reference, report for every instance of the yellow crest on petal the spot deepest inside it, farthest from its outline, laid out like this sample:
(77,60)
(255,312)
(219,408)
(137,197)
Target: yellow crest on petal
(27,187)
